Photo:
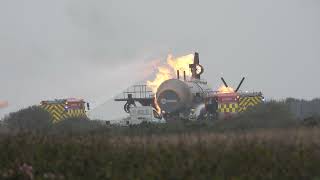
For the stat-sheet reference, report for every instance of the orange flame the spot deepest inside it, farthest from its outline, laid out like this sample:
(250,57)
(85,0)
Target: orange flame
(3,104)
(223,89)
(168,70)
(157,107)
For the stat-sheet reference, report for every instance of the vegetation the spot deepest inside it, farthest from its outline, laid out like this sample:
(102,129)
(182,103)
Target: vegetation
(267,142)
(32,119)
(271,154)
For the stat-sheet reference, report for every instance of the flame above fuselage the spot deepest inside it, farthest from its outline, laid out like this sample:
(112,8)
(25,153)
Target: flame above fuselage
(169,69)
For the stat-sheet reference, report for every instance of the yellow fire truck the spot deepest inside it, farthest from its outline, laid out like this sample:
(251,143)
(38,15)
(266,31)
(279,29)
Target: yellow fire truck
(224,105)
(61,109)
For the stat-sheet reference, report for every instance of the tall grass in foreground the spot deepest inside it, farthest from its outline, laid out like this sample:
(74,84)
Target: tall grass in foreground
(261,154)
(266,142)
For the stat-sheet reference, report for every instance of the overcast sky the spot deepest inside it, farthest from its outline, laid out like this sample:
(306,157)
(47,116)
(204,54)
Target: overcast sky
(95,48)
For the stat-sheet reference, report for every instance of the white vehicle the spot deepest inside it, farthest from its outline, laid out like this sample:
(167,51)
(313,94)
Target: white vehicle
(143,114)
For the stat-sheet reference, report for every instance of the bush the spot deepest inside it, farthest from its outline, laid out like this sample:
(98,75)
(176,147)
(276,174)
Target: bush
(3,128)
(31,119)
(311,121)
(268,115)
(75,126)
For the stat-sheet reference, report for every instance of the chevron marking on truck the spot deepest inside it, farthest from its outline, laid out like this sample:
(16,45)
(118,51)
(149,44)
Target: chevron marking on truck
(246,102)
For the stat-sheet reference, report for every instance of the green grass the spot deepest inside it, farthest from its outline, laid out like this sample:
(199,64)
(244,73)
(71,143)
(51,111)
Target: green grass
(262,154)
(263,143)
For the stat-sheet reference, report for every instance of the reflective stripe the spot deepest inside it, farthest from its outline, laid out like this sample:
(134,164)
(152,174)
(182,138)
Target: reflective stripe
(59,113)
(232,107)
(246,102)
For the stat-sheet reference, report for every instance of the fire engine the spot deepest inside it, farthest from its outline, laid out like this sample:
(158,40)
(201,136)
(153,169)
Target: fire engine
(228,104)
(61,109)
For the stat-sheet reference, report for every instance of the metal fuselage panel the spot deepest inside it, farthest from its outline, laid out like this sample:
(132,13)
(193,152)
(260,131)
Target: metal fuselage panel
(176,96)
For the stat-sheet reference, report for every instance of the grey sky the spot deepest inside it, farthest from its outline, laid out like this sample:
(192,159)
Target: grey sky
(94,49)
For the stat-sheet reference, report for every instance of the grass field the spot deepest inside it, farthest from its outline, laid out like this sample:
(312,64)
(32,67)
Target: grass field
(260,154)
(265,143)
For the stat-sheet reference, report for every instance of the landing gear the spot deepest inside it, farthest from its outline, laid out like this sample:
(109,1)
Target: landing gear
(128,106)
(130,103)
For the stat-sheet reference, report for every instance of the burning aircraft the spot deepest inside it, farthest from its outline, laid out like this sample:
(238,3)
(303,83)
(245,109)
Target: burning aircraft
(178,90)
(176,97)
